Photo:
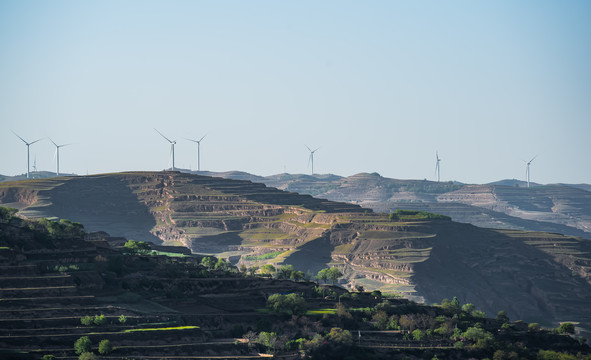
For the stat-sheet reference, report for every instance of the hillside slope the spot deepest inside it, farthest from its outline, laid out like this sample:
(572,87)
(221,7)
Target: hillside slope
(534,276)
(505,204)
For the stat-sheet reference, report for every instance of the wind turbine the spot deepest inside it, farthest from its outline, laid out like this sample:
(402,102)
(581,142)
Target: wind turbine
(172,143)
(198,151)
(437,168)
(528,163)
(57,156)
(28,144)
(311,158)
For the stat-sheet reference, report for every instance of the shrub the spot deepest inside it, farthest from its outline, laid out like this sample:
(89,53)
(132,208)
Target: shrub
(87,356)
(100,319)
(48,357)
(137,247)
(566,328)
(105,347)
(122,319)
(82,345)
(418,335)
(86,320)
(7,213)
(340,336)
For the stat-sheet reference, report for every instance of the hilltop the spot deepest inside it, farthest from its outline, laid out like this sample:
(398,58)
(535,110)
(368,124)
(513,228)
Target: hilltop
(534,276)
(61,285)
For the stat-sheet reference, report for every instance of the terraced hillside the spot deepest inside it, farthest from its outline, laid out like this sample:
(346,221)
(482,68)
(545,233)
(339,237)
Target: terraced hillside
(412,255)
(506,204)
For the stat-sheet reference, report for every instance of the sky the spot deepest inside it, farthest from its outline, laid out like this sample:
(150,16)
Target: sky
(377,86)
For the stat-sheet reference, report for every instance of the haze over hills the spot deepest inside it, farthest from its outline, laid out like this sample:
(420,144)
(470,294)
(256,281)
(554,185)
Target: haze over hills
(534,276)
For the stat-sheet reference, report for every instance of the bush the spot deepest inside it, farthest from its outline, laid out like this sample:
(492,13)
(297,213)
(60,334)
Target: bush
(566,328)
(122,319)
(105,347)
(82,345)
(86,320)
(100,320)
(87,356)
(7,213)
(401,214)
(48,357)
(137,247)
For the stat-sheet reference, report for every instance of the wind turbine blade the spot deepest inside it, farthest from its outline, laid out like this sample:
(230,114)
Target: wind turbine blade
(203,137)
(316,149)
(195,141)
(52,142)
(533,159)
(163,135)
(65,145)
(35,141)
(19,137)
(55,154)
(304,145)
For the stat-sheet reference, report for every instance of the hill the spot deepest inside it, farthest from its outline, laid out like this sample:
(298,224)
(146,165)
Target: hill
(66,292)
(505,204)
(534,276)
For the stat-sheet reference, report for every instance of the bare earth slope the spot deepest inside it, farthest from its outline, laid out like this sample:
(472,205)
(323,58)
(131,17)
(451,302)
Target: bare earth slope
(534,276)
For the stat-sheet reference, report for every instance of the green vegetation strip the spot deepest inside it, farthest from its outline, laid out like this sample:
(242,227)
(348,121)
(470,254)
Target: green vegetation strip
(163,329)
(321,312)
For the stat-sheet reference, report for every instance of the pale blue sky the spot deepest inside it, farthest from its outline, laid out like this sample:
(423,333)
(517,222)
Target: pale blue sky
(378,85)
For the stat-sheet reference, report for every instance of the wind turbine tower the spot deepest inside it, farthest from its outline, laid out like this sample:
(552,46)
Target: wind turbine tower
(311,158)
(198,151)
(437,168)
(28,144)
(172,143)
(57,156)
(528,163)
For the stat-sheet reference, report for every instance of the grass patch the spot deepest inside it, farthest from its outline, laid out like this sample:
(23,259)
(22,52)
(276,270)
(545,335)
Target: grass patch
(321,312)
(170,254)
(271,255)
(189,327)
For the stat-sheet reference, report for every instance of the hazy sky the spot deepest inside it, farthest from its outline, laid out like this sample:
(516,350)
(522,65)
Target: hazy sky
(379,86)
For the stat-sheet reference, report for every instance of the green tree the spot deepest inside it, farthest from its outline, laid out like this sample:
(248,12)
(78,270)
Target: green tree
(105,347)
(100,320)
(267,269)
(7,213)
(334,274)
(322,275)
(468,308)
(86,320)
(566,328)
(87,356)
(122,319)
(82,345)
(222,265)
(340,336)
(418,335)
(252,270)
(291,304)
(137,247)
(284,272)
(208,262)
(297,275)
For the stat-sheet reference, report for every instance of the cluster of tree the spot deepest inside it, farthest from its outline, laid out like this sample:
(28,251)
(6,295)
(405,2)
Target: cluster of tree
(220,264)
(335,342)
(401,214)
(290,304)
(60,229)
(97,320)
(333,274)
(7,213)
(83,348)
(137,247)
